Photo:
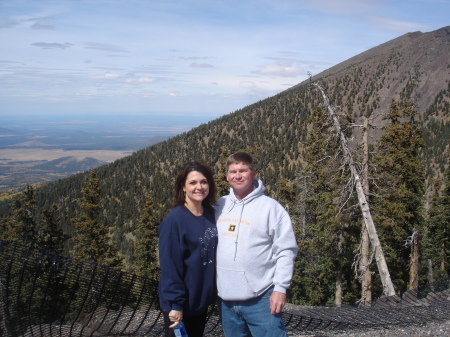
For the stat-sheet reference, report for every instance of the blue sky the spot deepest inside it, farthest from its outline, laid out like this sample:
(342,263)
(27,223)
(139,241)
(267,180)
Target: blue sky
(193,57)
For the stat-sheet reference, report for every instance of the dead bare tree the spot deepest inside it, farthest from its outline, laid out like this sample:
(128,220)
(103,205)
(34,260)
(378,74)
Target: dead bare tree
(388,287)
(364,262)
(413,241)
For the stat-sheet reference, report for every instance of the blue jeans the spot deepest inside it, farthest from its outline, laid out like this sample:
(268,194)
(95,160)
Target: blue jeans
(251,318)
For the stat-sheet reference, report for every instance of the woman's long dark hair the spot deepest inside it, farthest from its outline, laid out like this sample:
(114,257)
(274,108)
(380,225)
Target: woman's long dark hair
(192,166)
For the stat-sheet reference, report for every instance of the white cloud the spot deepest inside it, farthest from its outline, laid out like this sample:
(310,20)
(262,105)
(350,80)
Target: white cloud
(106,75)
(53,45)
(4,23)
(397,25)
(193,58)
(283,69)
(140,80)
(41,23)
(240,50)
(247,84)
(38,25)
(104,47)
(201,65)
(344,6)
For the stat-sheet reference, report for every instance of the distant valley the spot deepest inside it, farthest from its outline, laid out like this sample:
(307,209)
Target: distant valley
(39,149)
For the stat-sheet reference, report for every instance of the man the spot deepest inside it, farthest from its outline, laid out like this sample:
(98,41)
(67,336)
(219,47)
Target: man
(255,254)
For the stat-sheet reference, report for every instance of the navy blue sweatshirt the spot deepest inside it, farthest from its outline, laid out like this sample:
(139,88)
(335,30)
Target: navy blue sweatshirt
(187,257)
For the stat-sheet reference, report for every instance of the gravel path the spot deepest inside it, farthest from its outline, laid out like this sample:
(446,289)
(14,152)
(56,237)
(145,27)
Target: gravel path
(432,329)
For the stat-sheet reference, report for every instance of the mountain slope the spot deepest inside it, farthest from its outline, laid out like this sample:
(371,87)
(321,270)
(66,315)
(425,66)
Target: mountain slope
(414,67)
(70,164)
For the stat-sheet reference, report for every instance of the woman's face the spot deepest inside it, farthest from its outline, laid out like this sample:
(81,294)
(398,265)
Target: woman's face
(196,187)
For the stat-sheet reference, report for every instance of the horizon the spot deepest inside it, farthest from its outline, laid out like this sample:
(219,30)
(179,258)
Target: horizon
(19,131)
(26,143)
(173,59)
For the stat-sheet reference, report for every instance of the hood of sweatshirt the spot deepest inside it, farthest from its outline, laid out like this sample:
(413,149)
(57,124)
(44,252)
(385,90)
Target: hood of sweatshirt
(258,190)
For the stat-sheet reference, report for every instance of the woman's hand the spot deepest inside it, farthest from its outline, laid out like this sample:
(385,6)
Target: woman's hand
(176,317)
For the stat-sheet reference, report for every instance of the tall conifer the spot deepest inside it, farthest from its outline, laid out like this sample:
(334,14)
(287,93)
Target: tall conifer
(21,225)
(223,188)
(325,245)
(92,240)
(146,262)
(436,243)
(398,188)
(50,237)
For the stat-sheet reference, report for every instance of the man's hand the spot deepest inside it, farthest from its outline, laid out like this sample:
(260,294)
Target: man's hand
(175,316)
(277,302)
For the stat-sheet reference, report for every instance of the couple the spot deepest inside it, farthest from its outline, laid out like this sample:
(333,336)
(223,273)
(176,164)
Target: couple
(252,266)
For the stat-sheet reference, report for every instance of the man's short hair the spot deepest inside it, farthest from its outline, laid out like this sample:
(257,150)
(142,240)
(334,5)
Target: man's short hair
(240,157)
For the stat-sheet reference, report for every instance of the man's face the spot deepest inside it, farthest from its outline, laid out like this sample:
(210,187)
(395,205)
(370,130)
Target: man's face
(240,177)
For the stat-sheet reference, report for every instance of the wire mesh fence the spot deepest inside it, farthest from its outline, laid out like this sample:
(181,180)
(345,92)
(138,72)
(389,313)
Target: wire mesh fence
(50,295)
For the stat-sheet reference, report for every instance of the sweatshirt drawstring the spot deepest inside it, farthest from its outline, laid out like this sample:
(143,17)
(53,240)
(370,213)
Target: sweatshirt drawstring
(237,234)
(258,189)
(231,206)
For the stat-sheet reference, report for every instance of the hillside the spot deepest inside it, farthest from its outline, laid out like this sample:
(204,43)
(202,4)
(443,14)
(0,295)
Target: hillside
(414,67)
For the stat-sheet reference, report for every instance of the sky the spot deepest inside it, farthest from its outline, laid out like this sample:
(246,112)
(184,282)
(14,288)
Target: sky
(184,58)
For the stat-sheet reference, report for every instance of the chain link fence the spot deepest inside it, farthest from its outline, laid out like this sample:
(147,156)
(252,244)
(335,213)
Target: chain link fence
(50,295)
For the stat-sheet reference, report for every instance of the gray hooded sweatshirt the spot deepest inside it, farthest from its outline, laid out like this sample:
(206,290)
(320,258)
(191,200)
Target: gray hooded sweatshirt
(257,246)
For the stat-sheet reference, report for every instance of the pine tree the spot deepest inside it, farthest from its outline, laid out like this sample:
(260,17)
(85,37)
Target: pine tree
(146,261)
(50,237)
(398,188)
(21,226)
(326,245)
(92,241)
(436,243)
(285,193)
(223,188)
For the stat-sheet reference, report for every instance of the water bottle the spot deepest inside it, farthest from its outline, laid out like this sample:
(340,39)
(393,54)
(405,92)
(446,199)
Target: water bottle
(180,330)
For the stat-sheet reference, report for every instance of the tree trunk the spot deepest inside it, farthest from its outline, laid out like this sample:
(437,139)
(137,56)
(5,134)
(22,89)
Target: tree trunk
(364,266)
(443,250)
(430,274)
(338,294)
(414,269)
(388,287)
(366,275)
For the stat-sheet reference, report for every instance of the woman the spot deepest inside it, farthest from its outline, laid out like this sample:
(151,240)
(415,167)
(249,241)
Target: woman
(187,251)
